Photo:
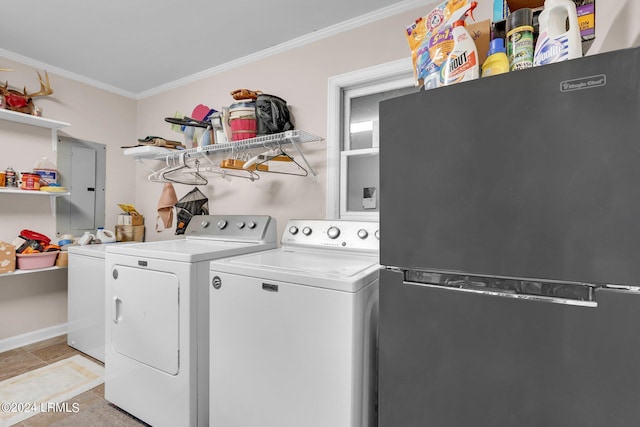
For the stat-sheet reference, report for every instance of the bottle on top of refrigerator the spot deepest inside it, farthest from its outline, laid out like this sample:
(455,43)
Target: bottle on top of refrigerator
(497,61)
(559,38)
(462,63)
(520,44)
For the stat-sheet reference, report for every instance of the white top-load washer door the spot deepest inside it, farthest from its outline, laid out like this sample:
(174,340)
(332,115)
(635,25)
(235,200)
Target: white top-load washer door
(145,317)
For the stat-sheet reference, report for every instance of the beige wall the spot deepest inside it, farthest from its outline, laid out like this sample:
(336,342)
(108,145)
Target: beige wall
(300,76)
(37,301)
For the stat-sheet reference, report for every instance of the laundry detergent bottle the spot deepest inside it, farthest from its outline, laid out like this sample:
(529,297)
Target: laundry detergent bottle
(497,61)
(462,63)
(559,38)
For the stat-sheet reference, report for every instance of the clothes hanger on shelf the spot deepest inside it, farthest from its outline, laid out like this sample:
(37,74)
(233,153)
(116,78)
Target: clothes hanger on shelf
(233,166)
(196,175)
(276,154)
(156,174)
(177,170)
(231,172)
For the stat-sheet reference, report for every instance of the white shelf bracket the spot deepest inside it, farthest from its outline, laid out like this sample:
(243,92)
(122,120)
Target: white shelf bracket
(54,139)
(52,200)
(304,159)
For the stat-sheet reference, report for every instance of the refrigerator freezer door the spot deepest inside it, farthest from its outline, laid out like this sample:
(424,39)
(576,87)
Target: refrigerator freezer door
(450,358)
(530,174)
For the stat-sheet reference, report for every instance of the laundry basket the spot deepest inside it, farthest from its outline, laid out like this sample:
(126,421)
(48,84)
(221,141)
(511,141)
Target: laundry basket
(36,260)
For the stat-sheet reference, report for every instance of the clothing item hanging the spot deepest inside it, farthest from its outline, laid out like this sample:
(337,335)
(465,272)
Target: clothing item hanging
(167,201)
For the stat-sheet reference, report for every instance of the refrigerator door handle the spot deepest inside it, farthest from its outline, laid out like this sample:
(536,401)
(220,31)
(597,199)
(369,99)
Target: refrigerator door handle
(508,294)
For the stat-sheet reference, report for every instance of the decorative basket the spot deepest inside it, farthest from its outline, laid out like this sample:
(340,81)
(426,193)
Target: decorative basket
(243,128)
(242,119)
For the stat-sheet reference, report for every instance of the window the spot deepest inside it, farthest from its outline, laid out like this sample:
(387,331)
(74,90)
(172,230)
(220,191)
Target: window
(353,137)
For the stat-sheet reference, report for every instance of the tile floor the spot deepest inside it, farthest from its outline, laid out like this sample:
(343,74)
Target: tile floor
(94,410)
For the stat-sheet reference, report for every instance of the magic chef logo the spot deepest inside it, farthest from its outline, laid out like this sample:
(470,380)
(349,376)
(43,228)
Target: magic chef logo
(583,83)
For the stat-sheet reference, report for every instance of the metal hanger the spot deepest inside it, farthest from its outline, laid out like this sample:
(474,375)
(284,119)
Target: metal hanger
(185,174)
(275,155)
(233,166)
(156,175)
(182,173)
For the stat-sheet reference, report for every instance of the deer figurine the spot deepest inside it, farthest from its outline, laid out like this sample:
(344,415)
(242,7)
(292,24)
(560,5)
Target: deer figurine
(23,102)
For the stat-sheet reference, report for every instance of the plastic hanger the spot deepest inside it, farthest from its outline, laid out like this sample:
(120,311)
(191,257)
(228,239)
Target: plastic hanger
(278,155)
(178,171)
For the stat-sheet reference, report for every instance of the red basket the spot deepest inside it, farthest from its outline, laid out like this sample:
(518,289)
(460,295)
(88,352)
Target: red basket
(242,128)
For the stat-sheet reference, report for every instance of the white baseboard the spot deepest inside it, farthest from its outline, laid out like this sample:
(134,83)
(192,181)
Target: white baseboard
(32,337)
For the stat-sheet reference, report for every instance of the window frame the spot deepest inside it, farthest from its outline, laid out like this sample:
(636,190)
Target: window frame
(362,82)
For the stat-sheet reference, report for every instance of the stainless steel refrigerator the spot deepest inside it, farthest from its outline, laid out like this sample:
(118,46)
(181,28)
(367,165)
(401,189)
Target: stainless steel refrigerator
(510,240)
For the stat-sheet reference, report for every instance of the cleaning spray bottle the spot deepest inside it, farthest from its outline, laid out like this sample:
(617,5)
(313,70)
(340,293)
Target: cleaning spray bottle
(462,64)
(559,38)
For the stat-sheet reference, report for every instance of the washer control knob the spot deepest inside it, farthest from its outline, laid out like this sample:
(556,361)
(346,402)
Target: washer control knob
(377,234)
(333,232)
(204,224)
(306,231)
(251,224)
(293,229)
(240,224)
(222,224)
(362,233)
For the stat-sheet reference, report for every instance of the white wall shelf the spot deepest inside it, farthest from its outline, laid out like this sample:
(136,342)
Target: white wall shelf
(53,196)
(18,272)
(30,120)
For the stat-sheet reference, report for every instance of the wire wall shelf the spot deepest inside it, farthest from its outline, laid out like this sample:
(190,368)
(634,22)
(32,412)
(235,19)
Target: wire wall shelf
(179,158)
(265,141)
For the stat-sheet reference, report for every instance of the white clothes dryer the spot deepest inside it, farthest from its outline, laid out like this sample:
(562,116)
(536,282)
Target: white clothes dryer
(293,330)
(157,348)
(86,299)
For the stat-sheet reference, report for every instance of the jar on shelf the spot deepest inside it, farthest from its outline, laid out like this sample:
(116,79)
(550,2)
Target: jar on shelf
(11,177)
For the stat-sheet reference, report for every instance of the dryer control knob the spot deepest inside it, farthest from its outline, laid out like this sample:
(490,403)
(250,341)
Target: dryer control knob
(377,234)
(293,229)
(240,224)
(362,233)
(251,225)
(222,224)
(307,231)
(204,224)
(333,232)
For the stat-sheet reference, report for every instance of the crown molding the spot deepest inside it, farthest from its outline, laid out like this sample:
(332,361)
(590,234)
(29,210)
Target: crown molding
(350,24)
(347,25)
(64,73)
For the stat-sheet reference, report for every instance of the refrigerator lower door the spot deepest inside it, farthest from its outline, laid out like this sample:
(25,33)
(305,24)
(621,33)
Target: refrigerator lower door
(451,358)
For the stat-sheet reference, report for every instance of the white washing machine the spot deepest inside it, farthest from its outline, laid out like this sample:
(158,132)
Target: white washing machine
(85,301)
(157,317)
(293,330)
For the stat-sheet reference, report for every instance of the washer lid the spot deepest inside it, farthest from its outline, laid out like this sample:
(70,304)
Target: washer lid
(188,250)
(322,268)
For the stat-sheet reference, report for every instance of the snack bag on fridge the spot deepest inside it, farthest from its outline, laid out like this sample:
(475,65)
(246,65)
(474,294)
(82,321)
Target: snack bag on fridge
(431,41)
